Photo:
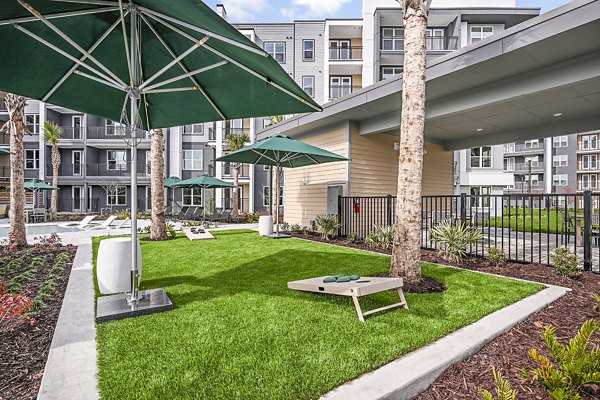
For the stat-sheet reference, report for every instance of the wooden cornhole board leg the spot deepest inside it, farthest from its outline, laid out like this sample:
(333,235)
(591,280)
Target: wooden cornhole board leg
(361,315)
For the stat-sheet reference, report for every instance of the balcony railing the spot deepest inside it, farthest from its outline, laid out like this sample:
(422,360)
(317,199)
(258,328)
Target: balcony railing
(433,43)
(337,91)
(72,133)
(352,53)
(66,169)
(115,170)
(524,186)
(524,167)
(524,148)
(227,170)
(198,130)
(236,130)
(78,205)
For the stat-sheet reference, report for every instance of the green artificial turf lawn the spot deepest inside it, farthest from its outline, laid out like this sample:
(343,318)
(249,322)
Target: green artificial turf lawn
(238,332)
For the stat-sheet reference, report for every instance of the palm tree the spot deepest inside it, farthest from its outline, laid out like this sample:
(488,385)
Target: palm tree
(276,183)
(16,127)
(158,230)
(52,134)
(235,142)
(406,252)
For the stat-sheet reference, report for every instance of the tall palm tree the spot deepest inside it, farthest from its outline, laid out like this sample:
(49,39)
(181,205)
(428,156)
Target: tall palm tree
(16,127)
(158,230)
(406,252)
(235,142)
(276,183)
(52,134)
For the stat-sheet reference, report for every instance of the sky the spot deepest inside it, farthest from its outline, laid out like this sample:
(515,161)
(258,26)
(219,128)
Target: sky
(289,10)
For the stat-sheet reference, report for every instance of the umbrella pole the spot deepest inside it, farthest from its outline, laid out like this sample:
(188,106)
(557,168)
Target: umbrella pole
(277,201)
(203,204)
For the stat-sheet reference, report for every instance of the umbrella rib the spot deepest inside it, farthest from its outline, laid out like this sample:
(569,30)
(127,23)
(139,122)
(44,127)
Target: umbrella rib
(58,15)
(183,67)
(169,90)
(187,75)
(99,80)
(94,2)
(125,42)
(66,38)
(65,54)
(238,64)
(74,68)
(263,155)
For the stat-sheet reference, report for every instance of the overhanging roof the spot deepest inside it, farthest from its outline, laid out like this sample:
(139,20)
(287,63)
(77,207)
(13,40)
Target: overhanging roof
(510,85)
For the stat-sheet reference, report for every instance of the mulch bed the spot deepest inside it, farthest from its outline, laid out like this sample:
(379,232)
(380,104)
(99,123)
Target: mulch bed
(508,353)
(23,352)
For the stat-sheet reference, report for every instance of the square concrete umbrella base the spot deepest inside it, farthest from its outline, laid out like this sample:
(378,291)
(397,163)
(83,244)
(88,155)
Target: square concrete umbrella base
(112,308)
(280,236)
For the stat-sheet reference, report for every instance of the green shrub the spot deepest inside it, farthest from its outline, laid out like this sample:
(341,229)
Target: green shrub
(171,229)
(296,228)
(122,214)
(503,389)
(497,256)
(285,227)
(381,237)
(453,240)
(326,225)
(565,262)
(353,238)
(569,368)
(253,218)
(597,298)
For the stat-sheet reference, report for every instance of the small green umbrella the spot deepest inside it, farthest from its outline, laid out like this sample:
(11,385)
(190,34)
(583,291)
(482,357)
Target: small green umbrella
(5,151)
(35,184)
(204,182)
(169,183)
(281,151)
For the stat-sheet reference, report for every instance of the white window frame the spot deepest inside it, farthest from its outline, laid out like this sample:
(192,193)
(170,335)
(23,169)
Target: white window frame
(481,158)
(344,85)
(480,200)
(560,180)
(589,142)
(81,126)
(589,162)
(116,128)
(561,160)
(535,180)
(120,194)
(73,164)
(509,147)
(193,129)
(478,32)
(395,38)
(309,88)
(35,124)
(532,144)
(35,159)
(189,156)
(509,164)
(340,49)
(274,51)
(431,42)
(116,163)
(393,70)
(311,50)
(560,141)
(591,184)
(191,197)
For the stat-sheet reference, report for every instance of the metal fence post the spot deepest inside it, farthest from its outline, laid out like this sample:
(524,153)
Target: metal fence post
(339,215)
(587,230)
(389,209)
(463,208)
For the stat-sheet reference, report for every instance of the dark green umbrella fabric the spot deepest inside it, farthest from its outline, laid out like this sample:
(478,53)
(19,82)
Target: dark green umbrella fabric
(283,151)
(204,181)
(171,181)
(35,184)
(240,80)
(4,151)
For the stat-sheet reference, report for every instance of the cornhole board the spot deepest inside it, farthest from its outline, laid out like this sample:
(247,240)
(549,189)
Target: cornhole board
(198,236)
(355,289)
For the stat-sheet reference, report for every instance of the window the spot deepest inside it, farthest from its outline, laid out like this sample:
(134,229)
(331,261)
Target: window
(390,72)
(480,196)
(308,50)
(509,164)
(481,32)
(267,122)
(192,160)
(589,161)
(195,129)
(267,196)
(481,157)
(589,142)
(435,39)
(339,86)
(392,39)
(116,159)
(533,160)
(532,144)
(114,128)
(33,123)
(560,161)
(560,141)
(148,197)
(308,85)
(32,159)
(339,50)
(589,181)
(276,50)
(509,147)
(535,180)
(560,180)
(192,197)
(76,162)
(117,197)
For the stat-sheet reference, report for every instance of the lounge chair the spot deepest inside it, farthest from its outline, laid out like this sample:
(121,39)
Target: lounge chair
(84,223)
(104,225)
(196,214)
(184,213)
(225,217)
(214,216)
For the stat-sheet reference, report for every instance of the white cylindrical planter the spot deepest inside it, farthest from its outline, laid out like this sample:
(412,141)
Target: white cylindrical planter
(265,225)
(113,266)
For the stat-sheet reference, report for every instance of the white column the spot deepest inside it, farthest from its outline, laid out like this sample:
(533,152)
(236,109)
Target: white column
(220,136)
(42,146)
(464,34)
(326,64)
(253,123)
(175,152)
(548,165)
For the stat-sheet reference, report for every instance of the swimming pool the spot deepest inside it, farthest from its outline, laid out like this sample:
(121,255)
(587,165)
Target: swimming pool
(45,229)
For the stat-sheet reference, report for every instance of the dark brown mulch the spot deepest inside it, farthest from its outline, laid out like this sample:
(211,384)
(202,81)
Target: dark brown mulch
(23,353)
(509,352)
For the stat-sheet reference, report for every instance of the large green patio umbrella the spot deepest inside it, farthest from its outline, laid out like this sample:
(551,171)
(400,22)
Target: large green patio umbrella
(144,63)
(281,151)
(204,182)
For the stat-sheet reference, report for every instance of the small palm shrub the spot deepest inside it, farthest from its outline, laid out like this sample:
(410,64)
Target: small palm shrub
(569,368)
(497,256)
(503,389)
(296,228)
(381,237)
(171,229)
(353,238)
(565,262)
(453,240)
(597,298)
(326,225)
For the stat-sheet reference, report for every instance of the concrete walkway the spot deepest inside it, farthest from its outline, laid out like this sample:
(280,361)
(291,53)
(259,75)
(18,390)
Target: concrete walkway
(71,369)
(408,376)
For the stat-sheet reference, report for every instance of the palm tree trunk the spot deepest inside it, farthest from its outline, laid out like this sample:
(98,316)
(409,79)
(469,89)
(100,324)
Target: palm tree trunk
(406,252)
(16,127)
(55,167)
(158,229)
(236,178)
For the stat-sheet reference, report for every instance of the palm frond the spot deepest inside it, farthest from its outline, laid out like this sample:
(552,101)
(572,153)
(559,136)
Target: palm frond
(52,133)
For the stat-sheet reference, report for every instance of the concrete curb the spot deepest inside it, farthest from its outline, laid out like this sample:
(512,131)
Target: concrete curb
(408,376)
(71,369)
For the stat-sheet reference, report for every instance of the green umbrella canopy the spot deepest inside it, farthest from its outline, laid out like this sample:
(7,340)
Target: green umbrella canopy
(194,66)
(205,181)
(4,151)
(283,151)
(35,184)
(171,181)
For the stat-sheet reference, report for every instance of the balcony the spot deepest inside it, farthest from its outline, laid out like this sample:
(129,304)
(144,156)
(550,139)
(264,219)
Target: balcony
(227,171)
(524,148)
(433,43)
(337,91)
(524,186)
(536,166)
(104,170)
(352,53)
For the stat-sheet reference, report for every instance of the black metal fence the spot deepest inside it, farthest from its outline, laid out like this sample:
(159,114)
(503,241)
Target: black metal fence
(527,227)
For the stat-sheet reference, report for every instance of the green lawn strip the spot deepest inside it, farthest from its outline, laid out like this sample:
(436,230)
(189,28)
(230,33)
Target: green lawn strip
(238,332)
(534,220)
